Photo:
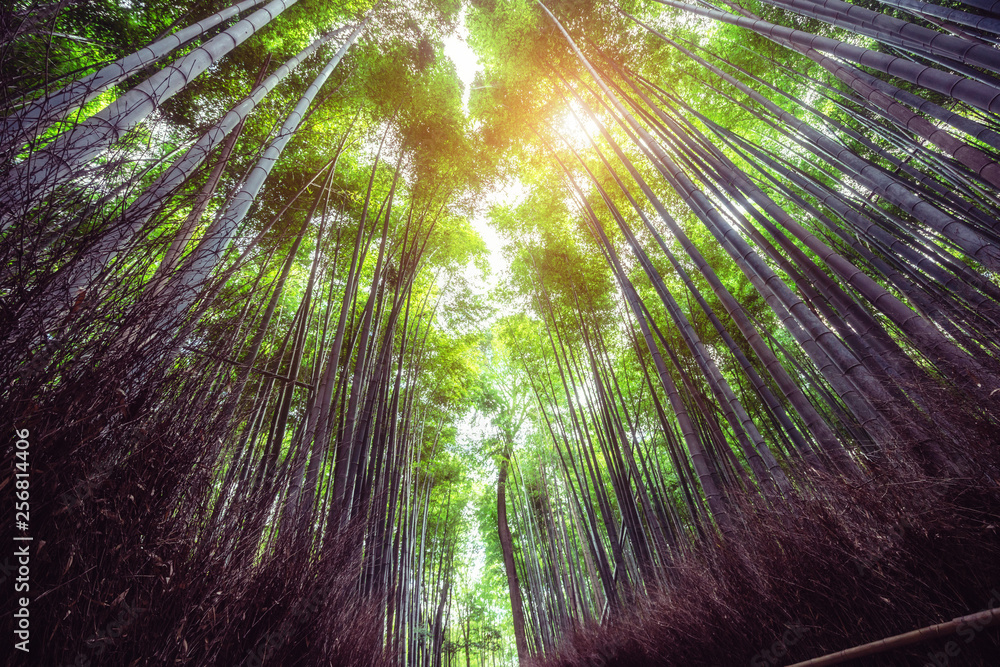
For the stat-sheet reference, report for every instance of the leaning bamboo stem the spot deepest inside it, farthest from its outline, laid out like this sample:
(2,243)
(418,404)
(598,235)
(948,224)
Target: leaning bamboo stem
(982,619)
(31,181)
(33,120)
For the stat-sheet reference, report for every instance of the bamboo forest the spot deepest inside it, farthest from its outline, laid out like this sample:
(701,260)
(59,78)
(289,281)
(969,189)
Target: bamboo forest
(484,333)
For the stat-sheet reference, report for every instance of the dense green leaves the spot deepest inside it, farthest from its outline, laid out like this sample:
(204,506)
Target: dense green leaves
(731,268)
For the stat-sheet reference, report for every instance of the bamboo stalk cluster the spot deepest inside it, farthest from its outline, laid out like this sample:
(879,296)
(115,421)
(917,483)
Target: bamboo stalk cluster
(243,362)
(870,235)
(245,369)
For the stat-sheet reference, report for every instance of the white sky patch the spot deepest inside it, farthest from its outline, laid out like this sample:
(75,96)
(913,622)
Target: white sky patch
(512,194)
(456,47)
(477,548)
(467,65)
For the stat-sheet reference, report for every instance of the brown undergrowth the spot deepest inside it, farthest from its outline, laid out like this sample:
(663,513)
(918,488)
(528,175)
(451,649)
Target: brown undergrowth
(130,568)
(839,566)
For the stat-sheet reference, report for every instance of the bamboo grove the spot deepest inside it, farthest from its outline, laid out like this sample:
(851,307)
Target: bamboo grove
(848,229)
(740,375)
(258,303)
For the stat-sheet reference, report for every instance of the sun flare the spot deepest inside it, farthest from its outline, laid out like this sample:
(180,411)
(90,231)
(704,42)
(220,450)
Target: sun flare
(577,127)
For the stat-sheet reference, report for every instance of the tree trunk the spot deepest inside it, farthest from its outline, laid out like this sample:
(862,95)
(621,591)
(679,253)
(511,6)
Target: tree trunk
(507,547)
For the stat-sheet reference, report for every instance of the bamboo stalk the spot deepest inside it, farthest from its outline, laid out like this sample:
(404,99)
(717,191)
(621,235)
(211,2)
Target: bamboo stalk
(982,619)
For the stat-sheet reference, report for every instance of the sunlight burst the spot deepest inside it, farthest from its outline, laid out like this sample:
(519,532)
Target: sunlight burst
(577,127)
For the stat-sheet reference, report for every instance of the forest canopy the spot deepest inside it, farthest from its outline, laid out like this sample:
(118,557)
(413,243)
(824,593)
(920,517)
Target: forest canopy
(551,332)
